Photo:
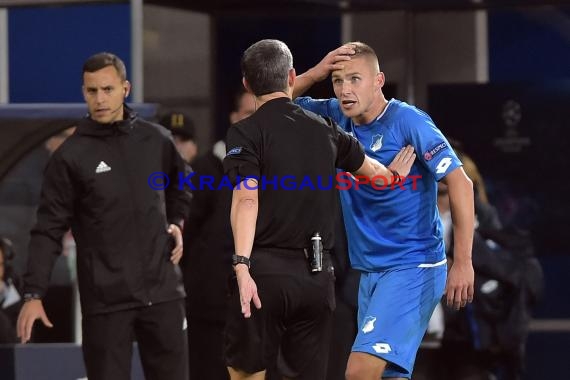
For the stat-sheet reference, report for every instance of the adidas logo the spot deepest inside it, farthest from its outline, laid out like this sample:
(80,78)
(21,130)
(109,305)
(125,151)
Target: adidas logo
(102,167)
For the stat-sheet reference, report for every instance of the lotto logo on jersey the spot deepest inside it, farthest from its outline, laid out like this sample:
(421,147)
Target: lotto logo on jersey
(443,165)
(382,348)
(435,150)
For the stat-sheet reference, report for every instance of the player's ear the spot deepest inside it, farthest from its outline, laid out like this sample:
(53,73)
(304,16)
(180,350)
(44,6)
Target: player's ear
(380,80)
(126,88)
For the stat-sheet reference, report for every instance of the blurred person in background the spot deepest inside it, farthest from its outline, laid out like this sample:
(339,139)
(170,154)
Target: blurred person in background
(486,214)
(184,132)
(207,260)
(487,339)
(10,298)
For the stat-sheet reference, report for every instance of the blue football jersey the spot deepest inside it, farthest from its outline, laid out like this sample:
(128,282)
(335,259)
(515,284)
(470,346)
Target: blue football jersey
(398,226)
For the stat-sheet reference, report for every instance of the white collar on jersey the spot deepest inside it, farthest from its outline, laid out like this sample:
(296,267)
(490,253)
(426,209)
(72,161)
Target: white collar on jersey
(385,109)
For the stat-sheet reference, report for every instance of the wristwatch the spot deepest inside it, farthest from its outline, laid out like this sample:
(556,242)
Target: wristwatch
(238,259)
(31,296)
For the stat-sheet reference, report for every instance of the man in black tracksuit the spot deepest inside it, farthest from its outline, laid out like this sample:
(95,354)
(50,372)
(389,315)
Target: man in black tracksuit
(127,226)
(282,162)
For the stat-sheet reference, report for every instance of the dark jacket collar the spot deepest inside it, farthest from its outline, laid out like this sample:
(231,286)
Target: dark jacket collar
(90,127)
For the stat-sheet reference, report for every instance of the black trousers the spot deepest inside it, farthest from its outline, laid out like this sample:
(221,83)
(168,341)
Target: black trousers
(158,329)
(205,349)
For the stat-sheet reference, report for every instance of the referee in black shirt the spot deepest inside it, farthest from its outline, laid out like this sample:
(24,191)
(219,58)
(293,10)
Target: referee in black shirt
(282,162)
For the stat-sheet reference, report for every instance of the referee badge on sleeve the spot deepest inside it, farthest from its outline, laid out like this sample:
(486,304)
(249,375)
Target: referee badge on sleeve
(233,151)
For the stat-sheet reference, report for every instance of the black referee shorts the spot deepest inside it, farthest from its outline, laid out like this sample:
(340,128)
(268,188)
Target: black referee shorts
(292,330)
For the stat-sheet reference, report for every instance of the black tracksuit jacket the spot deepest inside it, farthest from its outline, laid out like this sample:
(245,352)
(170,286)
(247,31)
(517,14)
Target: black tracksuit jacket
(98,184)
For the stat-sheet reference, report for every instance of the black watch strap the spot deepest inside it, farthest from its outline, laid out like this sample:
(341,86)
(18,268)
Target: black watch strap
(31,296)
(396,178)
(238,259)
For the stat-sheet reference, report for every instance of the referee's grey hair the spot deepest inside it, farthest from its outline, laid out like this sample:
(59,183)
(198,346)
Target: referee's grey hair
(265,66)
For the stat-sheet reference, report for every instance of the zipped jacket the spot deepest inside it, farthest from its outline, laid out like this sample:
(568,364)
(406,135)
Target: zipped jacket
(105,182)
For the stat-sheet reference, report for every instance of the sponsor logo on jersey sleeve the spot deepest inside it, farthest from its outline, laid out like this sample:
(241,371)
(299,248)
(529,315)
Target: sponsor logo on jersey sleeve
(435,150)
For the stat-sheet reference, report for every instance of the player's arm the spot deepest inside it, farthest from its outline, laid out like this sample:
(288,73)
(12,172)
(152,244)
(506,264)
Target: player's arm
(332,61)
(384,175)
(459,288)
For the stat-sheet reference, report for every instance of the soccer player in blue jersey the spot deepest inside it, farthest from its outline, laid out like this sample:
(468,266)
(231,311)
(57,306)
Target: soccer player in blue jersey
(395,236)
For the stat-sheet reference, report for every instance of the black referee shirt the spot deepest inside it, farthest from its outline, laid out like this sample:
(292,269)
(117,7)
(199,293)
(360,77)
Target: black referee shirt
(293,153)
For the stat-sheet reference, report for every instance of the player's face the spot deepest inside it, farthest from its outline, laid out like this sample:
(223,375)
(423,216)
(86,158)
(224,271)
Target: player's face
(358,89)
(104,92)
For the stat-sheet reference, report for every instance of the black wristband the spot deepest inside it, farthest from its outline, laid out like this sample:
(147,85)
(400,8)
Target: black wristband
(395,177)
(238,259)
